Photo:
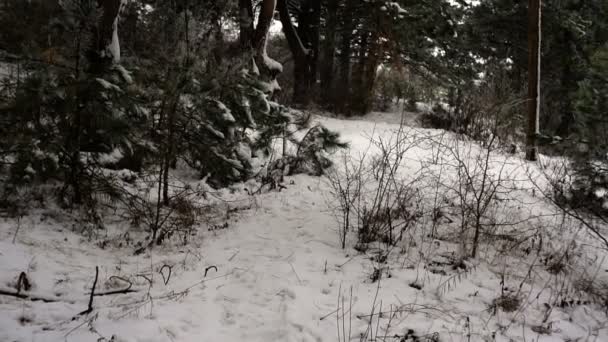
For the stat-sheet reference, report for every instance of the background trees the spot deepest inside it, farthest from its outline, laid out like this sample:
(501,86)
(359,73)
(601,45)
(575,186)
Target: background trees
(80,112)
(195,78)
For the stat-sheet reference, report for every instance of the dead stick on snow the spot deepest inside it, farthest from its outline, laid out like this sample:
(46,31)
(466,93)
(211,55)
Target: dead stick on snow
(121,291)
(90,308)
(17,230)
(296,273)
(33,298)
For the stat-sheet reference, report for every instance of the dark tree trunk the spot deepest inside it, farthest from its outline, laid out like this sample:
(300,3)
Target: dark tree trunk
(534,43)
(304,45)
(260,34)
(106,49)
(359,88)
(305,69)
(246,23)
(328,52)
(567,79)
(343,85)
(373,59)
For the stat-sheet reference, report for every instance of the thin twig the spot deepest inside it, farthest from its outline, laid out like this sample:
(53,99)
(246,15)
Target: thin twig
(90,308)
(296,273)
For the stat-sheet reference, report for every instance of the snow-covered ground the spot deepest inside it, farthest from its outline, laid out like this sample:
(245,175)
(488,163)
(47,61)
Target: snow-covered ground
(280,275)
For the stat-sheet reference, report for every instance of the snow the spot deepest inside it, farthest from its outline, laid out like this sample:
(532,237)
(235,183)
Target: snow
(226,113)
(271,64)
(111,158)
(395,6)
(215,132)
(113,49)
(107,85)
(271,87)
(280,274)
(124,73)
(246,104)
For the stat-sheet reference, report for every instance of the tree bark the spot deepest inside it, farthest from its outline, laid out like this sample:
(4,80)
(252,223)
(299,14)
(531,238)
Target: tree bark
(265,19)
(328,52)
(246,23)
(293,39)
(534,66)
(304,45)
(343,85)
(567,77)
(106,47)
(358,100)
(305,69)
(369,77)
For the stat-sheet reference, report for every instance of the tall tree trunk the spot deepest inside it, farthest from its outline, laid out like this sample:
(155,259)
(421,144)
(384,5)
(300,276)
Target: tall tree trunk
(268,68)
(534,54)
(169,146)
(106,49)
(567,79)
(328,51)
(371,66)
(343,86)
(264,20)
(304,45)
(305,69)
(357,102)
(246,23)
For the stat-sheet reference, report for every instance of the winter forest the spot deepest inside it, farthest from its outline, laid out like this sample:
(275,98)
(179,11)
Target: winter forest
(304,170)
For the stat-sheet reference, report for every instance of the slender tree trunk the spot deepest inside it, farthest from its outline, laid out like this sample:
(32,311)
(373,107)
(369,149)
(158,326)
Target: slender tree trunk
(265,19)
(169,147)
(534,66)
(304,45)
(328,52)
(344,82)
(567,117)
(305,69)
(246,23)
(357,102)
(315,40)
(106,49)
(371,67)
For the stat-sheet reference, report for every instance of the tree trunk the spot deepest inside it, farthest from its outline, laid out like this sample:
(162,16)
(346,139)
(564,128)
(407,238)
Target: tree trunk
(328,52)
(106,49)
(567,78)
(265,19)
(358,100)
(305,69)
(371,66)
(304,45)
(246,23)
(169,147)
(534,49)
(344,81)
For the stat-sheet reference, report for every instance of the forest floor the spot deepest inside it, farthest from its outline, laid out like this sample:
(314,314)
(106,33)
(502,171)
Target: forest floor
(279,273)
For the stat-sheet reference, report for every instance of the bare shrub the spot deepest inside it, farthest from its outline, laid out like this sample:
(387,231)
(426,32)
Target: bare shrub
(371,196)
(506,302)
(143,207)
(476,189)
(576,195)
(345,189)
(481,111)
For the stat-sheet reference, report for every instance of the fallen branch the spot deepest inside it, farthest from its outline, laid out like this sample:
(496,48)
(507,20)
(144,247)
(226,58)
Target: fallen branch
(166,278)
(33,298)
(207,270)
(121,291)
(23,282)
(90,308)
(114,292)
